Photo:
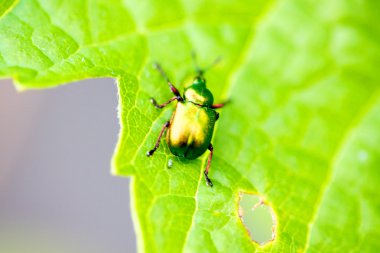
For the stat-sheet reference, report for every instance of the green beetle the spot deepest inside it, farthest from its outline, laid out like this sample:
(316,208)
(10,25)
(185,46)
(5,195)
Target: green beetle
(190,129)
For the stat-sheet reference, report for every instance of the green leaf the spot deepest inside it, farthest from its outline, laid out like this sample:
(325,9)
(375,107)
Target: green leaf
(301,131)
(6,6)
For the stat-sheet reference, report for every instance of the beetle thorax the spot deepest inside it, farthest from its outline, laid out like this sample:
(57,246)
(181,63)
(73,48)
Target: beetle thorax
(199,94)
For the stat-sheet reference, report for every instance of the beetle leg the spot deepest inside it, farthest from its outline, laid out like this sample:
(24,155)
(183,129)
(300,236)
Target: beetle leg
(154,102)
(171,85)
(208,181)
(216,106)
(150,152)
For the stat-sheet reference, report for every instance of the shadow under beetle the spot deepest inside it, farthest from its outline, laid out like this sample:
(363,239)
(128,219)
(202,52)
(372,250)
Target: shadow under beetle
(190,129)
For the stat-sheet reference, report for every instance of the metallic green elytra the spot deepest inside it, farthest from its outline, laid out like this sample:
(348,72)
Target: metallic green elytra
(190,129)
(192,123)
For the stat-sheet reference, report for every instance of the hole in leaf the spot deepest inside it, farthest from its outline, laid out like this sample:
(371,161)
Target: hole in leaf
(257,217)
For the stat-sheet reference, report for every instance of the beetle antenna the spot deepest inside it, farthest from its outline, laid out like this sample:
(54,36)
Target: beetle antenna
(200,71)
(216,61)
(196,66)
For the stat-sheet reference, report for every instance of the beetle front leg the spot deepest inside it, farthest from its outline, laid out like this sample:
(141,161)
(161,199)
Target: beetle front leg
(171,85)
(154,102)
(216,106)
(150,152)
(208,181)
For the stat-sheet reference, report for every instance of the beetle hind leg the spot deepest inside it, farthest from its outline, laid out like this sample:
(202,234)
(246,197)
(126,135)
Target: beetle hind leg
(151,152)
(208,180)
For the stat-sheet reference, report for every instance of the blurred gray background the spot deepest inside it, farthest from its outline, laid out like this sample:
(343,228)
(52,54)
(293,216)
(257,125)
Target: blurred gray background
(56,191)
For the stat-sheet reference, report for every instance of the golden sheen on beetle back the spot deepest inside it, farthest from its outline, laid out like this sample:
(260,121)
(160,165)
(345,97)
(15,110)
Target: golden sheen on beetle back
(191,128)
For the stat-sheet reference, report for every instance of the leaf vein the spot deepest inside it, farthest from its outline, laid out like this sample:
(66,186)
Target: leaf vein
(346,137)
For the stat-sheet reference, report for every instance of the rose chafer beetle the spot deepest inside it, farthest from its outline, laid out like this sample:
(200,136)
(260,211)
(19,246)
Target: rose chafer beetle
(190,129)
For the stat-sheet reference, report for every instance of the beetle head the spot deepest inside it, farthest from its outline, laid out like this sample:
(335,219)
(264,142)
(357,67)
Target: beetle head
(198,93)
(199,80)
